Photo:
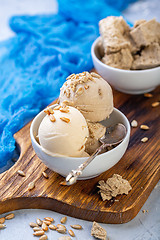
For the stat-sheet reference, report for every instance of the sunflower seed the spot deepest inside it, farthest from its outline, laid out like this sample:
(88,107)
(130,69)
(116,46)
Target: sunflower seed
(66,102)
(71,233)
(2,226)
(64,238)
(43,237)
(21,173)
(93,74)
(45,174)
(38,233)
(144,127)
(52,118)
(64,110)
(73,74)
(9,216)
(52,227)
(145,139)
(86,87)
(76,226)
(148,95)
(2,220)
(80,91)
(31,185)
(37,229)
(39,222)
(61,228)
(134,123)
(32,224)
(63,220)
(57,107)
(47,112)
(47,222)
(50,110)
(67,120)
(155,104)
(49,219)
(44,227)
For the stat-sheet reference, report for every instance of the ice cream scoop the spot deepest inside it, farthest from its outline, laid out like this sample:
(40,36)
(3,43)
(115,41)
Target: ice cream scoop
(90,94)
(63,131)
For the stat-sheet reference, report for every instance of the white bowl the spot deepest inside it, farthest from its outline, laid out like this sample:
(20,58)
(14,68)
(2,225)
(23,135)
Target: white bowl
(63,165)
(127,81)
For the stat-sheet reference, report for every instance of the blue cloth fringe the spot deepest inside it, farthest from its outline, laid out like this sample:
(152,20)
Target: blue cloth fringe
(35,63)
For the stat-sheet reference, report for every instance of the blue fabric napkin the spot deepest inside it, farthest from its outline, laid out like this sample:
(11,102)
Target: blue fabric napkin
(35,63)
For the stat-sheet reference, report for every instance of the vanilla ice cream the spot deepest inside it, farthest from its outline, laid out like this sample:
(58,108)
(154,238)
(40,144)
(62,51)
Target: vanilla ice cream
(90,94)
(63,131)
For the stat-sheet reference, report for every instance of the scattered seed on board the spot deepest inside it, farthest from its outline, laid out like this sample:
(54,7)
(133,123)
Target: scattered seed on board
(155,104)
(2,220)
(76,226)
(64,238)
(43,237)
(63,220)
(61,228)
(9,216)
(38,233)
(71,233)
(2,226)
(32,224)
(145,139)
(31,185)
(144,127)
(47,222)
(44,227)
(134,123)
(148,95)
(45,175)
(52,227)
(50,219)
(21,173)
(39,222)
(37,229)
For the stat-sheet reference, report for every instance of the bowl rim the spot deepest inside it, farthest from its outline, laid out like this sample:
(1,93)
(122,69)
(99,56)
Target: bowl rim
(116,69)
(78,158)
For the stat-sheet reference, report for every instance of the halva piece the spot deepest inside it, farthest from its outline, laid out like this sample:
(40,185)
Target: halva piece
(112,30)
(122,59)
(149,57)
(146,33)
(114,186)
(98,232)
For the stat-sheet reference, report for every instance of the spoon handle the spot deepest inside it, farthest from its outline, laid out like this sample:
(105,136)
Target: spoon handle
(85,164)
(73,175)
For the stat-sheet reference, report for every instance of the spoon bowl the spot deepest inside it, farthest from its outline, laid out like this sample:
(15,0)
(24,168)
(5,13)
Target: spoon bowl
(113,135)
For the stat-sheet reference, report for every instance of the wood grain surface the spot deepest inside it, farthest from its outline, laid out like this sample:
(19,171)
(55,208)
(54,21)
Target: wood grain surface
(140,166)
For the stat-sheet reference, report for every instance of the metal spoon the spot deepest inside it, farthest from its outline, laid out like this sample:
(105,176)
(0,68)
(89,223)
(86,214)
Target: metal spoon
(113,135)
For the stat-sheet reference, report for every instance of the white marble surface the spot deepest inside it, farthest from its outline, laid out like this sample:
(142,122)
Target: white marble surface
(145,226)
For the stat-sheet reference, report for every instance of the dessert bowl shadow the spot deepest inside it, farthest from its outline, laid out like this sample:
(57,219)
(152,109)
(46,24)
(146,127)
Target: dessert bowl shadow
(127,81)
(63,164)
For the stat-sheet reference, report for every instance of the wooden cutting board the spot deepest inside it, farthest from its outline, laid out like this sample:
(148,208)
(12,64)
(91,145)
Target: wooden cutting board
(140,166)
